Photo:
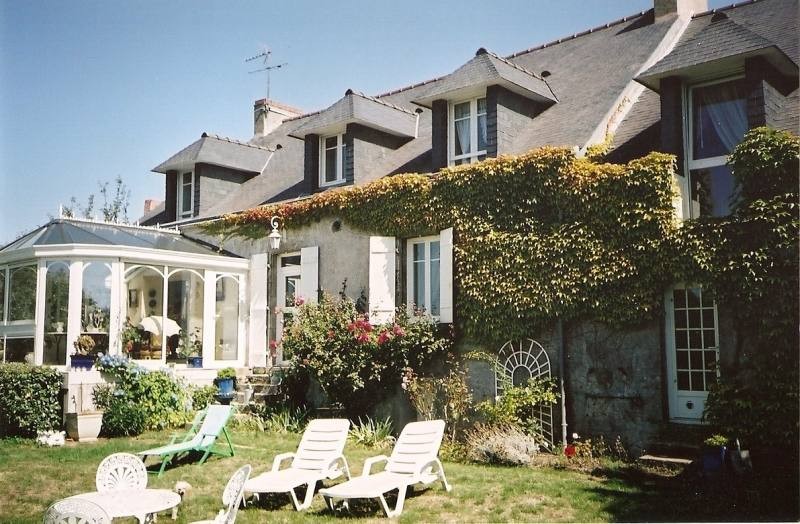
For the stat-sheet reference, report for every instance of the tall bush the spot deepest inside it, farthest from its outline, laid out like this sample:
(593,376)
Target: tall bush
(355,362)
(30,399)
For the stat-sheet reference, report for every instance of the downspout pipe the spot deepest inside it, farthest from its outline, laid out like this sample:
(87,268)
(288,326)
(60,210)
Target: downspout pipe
(562,366)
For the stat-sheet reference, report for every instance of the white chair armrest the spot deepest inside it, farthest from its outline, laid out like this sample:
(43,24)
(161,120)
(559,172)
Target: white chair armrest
(276,462)
(435,463)
(373,460)
(336,467)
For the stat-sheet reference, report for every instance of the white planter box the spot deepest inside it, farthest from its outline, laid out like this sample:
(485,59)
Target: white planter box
(84,427)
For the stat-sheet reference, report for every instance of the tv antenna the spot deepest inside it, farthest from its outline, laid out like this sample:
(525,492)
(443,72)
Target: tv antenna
(264,56)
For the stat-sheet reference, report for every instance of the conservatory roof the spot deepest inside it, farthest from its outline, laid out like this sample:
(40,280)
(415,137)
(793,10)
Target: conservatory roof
(62,231)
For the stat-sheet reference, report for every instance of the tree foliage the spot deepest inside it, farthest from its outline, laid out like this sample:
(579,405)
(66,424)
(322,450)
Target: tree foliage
(114,207)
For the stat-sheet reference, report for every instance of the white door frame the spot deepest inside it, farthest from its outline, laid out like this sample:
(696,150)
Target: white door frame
(280,294)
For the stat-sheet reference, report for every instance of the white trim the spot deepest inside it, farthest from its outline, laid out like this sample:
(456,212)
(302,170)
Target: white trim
(473,155)
(446,275)
(280,294)
(426,241)
(340,145)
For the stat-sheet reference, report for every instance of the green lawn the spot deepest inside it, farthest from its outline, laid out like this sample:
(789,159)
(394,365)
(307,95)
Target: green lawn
(32,477)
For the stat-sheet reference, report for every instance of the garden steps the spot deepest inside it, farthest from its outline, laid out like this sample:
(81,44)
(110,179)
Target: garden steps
(675,444)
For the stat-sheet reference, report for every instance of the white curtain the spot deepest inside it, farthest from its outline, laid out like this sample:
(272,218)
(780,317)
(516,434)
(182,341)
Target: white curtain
(462,135)
(727,109)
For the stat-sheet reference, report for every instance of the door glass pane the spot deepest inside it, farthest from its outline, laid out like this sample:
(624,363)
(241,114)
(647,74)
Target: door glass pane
(709,338)
(481,124)
(293,260)
(461,118)
(680,318)
(227,319)
(22,293)
(2,295)
(700,337)
(55,313)
(184,316)
(719,118)
(679,298)
(693,296)
(143,306)
(682,359)
(683,380)
(330,165)
(695,340)
(681,339)
(712,191)
(292,286)
(697,382)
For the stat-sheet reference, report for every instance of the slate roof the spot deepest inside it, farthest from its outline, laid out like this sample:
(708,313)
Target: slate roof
(719,35)
(487,69)
(75,231)
(219,151)
(356,107)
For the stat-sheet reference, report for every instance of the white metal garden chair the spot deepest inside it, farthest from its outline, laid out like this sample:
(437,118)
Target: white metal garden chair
(231,497)
(75,511)
(413,461)
(121,471)
(318,457)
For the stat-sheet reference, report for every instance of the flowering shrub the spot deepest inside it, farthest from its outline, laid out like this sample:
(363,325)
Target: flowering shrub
(139,399)
(355,362)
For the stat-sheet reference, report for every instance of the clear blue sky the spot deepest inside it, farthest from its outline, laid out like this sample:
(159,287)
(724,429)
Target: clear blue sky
(94,89)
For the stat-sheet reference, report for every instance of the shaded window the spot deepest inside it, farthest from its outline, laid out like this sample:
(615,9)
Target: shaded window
(467,131)
(22,293)
(56,313)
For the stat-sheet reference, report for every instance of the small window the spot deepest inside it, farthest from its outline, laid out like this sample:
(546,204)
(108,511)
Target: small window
(185,205)
(467,131)
(718,116)
(331,160)
(424,289)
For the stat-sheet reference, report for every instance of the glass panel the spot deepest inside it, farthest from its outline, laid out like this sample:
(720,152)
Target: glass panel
(144,291)
(708,299)
(710,359)
(694,318)
(19,350)
(712,191)
(435,301)
(227,319)
(708,317)
(186,193)
(697,381)
(2,295)
(461,110)
(693,294)
(330,142)
(293,260)
(682,359)
(482,133)
(22,293)
(330,165)
(719,118)
(681,340)
(56,291)
(419,275)
(695,341)
(96,298)
(2,349)
(292,285)
(680,318)
(683,380)
(184,317)
(709,338)
(481,106)
(462,144)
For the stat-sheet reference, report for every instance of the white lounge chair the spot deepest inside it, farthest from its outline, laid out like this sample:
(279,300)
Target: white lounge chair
(75,511)
(231,497)
(121,471)
(413,461)
(318,457)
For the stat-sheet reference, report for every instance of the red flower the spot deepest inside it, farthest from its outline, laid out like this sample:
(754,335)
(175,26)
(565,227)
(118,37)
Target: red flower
(273,344)
(398,331)
(384,337)
(362,338)
(299,301)
(351,327)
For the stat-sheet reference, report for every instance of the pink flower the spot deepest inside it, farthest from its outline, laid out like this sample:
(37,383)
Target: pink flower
(362,338)
(331,334)
(299,301)
(351,327)
(273,344)
(384,337)
(398,331)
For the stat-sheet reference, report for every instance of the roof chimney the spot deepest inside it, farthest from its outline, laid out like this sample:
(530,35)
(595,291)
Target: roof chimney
(683,8)
(268,115)
(150,204)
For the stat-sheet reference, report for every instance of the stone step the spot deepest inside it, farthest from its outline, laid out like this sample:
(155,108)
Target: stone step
(666,460)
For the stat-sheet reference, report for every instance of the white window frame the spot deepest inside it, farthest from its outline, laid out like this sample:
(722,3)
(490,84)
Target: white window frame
(179,213)
(339,160)
(473,155)
(688,143)
(280,292)
(410,243)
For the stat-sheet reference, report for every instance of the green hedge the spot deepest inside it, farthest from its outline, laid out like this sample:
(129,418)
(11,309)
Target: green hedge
(30,399)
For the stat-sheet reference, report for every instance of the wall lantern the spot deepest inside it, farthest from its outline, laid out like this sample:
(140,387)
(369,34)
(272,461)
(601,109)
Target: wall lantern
(275,236)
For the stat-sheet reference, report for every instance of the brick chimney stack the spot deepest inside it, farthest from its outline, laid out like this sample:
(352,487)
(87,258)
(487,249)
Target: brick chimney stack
(150,204)
(268,115)
(684,8)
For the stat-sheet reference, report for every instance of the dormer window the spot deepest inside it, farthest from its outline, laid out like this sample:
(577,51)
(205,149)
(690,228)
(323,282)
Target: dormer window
(718,117)
(185,204)
(467,132)
(331,160)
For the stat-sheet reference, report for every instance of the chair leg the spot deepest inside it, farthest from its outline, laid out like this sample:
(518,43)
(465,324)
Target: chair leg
(306,500)
(164,463)
(398,508)
(440,473)
(329,503)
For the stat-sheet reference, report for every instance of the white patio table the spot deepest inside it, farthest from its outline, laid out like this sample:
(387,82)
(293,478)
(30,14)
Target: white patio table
(137,503)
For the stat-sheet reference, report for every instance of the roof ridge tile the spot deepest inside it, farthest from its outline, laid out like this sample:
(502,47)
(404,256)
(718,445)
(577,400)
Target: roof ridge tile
(233,141)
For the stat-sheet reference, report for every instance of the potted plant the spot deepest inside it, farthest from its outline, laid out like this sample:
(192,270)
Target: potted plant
(131,337)
(226,382)
(191,345)
(714,450)
(82,358)
(85,423)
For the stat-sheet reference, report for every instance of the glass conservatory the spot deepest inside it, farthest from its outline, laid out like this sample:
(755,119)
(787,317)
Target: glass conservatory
(148,293)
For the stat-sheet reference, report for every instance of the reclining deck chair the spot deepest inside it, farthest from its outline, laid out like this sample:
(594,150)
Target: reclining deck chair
(413,461)
(203,441)
(318,457)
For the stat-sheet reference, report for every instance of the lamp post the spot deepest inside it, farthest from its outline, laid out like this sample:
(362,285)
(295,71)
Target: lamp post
(274,242)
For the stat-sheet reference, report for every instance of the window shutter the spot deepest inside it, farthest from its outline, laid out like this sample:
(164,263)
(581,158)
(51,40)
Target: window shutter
(446,276)
(309,274)
(381,279)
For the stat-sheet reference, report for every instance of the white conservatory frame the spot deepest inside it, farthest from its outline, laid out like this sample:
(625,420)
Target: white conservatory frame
(209,267)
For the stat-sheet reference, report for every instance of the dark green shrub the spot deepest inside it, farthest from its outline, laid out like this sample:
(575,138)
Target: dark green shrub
(30,399)
(517,405)
(121,418)
(203,396)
